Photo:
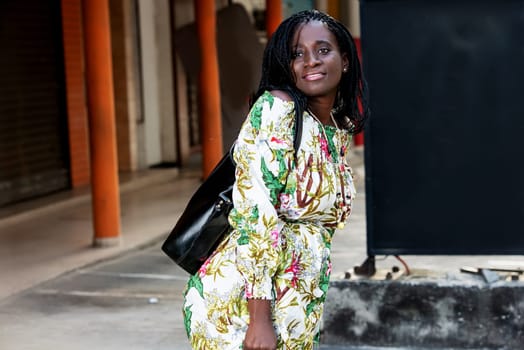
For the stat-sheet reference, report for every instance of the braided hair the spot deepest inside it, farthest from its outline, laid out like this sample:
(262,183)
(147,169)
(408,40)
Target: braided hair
(277,73)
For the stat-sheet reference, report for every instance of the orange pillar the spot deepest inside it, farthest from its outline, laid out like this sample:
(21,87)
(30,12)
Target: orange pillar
(333,8)
(273,16)
(100,103)
(209,87)
(77,122)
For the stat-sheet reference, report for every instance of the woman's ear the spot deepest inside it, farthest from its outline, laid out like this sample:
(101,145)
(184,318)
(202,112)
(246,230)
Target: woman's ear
(345,63)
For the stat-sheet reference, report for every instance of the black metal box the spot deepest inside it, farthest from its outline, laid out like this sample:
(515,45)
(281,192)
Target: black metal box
(444,147)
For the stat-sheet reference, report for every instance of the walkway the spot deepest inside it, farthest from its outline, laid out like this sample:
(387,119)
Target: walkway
(58,292)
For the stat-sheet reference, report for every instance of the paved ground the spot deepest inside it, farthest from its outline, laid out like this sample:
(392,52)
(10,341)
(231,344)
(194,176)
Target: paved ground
(70,296)
(130,302)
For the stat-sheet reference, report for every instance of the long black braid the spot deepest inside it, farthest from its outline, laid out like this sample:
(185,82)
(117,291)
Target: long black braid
(277,73)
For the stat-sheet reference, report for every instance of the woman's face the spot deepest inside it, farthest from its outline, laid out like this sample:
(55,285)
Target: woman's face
(317,62)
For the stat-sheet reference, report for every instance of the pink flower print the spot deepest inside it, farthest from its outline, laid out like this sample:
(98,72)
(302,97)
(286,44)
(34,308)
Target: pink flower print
(285,200)
(248,291)
(328,270)
(203,269)
(294,268)
(274,237)
(324,147)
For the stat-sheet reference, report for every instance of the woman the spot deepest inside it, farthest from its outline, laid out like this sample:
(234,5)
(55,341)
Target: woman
(265,285)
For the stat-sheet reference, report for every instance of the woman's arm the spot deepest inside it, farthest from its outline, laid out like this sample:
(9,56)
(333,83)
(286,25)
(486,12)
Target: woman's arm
(263,153)
(260,332)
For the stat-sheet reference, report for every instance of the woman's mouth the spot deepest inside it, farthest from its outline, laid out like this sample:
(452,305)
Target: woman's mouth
(313,76)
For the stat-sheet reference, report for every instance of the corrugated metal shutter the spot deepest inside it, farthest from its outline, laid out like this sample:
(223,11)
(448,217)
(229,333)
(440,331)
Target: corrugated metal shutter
(33,126)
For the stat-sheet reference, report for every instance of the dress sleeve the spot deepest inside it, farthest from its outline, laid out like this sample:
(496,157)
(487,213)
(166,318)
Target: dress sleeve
(263,154)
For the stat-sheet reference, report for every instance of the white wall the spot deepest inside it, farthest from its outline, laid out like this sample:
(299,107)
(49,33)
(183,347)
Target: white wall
(157,83)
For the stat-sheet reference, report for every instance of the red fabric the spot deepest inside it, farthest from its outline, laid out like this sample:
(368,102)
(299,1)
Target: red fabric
(358,139)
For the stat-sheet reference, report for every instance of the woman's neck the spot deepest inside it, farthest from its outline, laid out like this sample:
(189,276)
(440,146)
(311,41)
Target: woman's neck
(322,111)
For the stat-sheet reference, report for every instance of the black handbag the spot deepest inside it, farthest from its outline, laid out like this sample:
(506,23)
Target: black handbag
(204,222)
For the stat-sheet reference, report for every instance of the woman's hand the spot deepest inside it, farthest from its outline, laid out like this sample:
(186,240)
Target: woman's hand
(260,333)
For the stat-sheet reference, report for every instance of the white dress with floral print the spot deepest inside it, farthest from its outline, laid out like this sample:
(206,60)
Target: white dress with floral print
(285,212)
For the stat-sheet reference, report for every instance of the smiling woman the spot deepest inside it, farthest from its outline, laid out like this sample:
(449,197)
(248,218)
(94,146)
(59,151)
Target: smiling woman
(264,287)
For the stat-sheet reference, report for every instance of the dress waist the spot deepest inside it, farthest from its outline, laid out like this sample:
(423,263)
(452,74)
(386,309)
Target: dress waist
(325,228)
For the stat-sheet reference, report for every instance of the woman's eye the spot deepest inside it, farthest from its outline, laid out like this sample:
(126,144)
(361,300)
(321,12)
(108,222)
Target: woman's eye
(324,51)
(298,54)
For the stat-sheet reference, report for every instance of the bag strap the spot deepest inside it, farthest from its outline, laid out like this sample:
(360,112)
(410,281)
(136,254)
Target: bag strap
(297,138)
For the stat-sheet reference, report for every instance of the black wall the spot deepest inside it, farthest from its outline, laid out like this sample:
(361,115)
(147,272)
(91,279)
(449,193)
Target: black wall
(444,148)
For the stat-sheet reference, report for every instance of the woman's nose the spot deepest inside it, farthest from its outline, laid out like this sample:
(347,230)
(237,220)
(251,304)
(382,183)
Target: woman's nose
(311,58)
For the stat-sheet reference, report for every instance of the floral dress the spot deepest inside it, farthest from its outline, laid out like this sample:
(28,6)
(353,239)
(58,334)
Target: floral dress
(287,206)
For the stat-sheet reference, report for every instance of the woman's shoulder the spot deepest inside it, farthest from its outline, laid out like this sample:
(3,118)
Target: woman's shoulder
(274,102)
(272,113)
(282,95)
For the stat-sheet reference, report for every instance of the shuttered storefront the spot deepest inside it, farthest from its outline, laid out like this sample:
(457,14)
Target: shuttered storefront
(33,126)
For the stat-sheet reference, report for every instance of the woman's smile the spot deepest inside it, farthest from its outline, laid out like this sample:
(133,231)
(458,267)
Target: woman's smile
(313,76)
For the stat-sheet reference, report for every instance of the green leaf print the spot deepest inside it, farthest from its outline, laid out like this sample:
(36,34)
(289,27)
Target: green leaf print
(255,118)
(256,113)
(282,167)
(269,98)
(311,306)
(196,282)
(291,185)
(326,239)
(330,133)
(324,280)
(316,339)
(274,183)
(243,239)
(187,319)
(250,223)
(323,284)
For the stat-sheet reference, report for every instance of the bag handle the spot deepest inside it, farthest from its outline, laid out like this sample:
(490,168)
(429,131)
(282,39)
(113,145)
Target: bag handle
(297,138)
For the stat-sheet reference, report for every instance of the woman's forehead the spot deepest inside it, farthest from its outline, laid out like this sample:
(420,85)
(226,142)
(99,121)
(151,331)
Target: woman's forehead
(313,31)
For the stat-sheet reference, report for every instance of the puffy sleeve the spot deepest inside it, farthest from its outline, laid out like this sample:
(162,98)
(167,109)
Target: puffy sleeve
(263,154)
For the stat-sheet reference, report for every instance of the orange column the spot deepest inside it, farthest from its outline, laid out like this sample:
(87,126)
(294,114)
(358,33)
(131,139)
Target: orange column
(209,86)
(273,16)
(333,8)
(100,102)
(77,121)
